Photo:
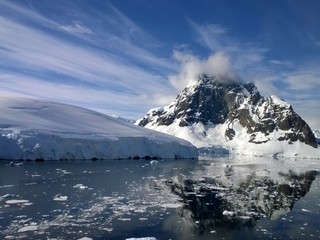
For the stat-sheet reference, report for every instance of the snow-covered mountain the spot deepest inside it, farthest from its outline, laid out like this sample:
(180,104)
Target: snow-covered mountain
(217,113)
(34,129)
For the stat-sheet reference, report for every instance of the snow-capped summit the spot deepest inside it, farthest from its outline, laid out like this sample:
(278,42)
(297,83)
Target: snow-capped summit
(35,129)
(217,112)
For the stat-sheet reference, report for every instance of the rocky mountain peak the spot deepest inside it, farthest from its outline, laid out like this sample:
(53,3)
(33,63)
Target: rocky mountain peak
(208,100)
(216,100)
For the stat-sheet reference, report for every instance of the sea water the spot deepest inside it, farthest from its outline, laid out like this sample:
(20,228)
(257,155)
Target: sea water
(212,198)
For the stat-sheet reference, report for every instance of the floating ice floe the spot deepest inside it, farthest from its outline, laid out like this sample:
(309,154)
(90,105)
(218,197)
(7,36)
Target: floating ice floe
(19,202)
(12,164)
(305,210)
(154,162)
(228,213)
(172,205)
(60,198)
(80,186)
(7,186)
(28,229)
(7,196)
(124,219)
(62,171)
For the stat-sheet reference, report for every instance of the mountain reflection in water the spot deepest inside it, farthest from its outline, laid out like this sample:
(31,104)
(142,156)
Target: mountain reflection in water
(209,202)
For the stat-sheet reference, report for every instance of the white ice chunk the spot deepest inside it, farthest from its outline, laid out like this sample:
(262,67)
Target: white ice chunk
(16,201)
(60,198)
(28,229)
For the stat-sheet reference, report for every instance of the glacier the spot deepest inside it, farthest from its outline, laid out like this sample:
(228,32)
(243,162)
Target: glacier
(43,130)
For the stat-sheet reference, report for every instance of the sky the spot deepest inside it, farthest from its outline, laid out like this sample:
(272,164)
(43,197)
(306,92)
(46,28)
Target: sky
(123,57)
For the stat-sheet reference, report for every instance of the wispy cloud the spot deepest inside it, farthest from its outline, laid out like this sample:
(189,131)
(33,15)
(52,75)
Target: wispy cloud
(210,35)
(76,28)
(43,63)
(35,50)
(280,63)
(129,104)
(304,79)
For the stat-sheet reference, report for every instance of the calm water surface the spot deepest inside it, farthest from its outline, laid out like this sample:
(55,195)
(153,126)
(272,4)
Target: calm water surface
(220,198)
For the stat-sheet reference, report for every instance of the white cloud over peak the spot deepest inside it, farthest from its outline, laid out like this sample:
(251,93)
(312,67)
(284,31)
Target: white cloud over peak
(217,64)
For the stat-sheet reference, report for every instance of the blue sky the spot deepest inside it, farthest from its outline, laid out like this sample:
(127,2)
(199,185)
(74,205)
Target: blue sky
(124,57)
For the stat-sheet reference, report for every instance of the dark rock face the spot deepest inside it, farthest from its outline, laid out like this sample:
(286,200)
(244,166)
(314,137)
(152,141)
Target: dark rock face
(301,130)
(210,101)
(214,101)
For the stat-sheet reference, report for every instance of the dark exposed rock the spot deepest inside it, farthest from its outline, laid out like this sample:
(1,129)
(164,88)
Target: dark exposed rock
(230,133)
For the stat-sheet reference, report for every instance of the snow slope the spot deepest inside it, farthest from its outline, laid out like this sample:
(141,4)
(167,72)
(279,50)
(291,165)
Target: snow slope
(211,139)
(34,129)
